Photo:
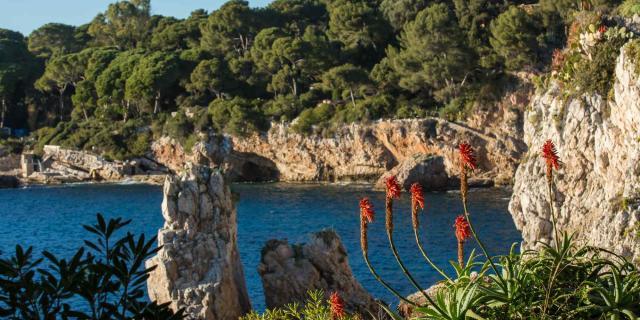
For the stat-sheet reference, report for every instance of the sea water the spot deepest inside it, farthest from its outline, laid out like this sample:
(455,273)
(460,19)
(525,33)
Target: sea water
(51,218)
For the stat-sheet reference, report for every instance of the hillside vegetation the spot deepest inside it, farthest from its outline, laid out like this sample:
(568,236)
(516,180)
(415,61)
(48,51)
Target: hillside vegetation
(127,77)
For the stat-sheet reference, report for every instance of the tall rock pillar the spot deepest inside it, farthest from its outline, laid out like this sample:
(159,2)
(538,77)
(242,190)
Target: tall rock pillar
(198,267)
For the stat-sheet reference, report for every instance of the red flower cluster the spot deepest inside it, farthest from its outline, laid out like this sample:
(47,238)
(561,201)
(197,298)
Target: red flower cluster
(467,156)
(366,210)
(393,189)
(463,230)
(417,195)
(550,155)
(602,29)
(337,306)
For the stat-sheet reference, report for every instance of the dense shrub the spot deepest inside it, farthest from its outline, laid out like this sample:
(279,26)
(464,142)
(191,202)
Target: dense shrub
(629,8)
(104,279)
(315,308)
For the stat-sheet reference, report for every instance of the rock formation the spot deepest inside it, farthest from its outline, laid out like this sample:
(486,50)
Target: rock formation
(366,151)
(170,153)
(426,169)
(289,271)
(598,186)
(199,265)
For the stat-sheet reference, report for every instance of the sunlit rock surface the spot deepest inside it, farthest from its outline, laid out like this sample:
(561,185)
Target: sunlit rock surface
(598,186)
(199,265)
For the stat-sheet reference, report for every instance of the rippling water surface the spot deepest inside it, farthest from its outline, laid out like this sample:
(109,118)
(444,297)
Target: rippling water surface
(50,218)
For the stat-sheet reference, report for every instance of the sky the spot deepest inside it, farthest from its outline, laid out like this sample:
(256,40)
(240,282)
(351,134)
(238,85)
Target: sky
(27,15)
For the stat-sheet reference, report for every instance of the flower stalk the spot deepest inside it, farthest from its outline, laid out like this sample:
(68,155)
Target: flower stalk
(417,203)
(463,232)
(393,192)
(468,161)
(367,216)
(552,161)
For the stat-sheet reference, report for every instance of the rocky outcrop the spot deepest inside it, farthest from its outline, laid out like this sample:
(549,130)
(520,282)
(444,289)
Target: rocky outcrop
(79,162)
(598,186)
(9,162)
(289,272)
(366,151)
(209,151)
(198,267)
(427,170)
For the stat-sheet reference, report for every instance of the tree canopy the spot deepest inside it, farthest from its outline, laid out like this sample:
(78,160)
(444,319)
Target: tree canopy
(237,68)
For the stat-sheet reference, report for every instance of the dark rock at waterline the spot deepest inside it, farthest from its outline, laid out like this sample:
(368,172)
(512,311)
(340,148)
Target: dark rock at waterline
(9,182)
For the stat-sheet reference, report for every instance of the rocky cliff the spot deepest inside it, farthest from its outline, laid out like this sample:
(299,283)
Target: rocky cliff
(598,186)
(198,267)
(289,272)
(363,152)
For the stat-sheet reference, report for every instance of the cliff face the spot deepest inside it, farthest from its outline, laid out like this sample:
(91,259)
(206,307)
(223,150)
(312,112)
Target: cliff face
(598,186)
(363,152)
(198,267)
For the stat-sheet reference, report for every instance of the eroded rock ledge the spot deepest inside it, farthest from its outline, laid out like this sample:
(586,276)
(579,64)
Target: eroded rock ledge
(364,152)
(289,271)
(598,187)
(199,265)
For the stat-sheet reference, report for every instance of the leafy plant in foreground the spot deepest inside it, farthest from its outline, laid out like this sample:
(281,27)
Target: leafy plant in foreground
(104,280)
(560,281)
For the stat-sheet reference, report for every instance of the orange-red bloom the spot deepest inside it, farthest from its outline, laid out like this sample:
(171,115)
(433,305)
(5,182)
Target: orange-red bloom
(467,156)
(337,306)
(393,189)
(602,29)
(550,155)
(366,210)
(417,195)
(463,230)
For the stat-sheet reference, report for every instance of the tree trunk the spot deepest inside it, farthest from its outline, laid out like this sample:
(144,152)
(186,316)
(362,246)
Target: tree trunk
(353,100)
(4,111)
(61,101)
(156,105)
(125,117)
(295,86)
(86,116)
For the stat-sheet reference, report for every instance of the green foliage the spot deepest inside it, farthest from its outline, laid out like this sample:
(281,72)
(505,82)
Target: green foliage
(315,308)
(53,39)
(105,279)
(629,8)
(589,68)
(399,12)
(124,24)
(372,59)
(433,54)
(359,27)
(11,145)
(237,116)
(513,37)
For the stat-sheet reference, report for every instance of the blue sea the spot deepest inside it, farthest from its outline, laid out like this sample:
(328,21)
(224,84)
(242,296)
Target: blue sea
(50,218)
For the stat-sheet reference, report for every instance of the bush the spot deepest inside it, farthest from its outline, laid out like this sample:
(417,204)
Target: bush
(105,280)
(12,145)
(513,37)
(315,308)
(629,8)
(237,116)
